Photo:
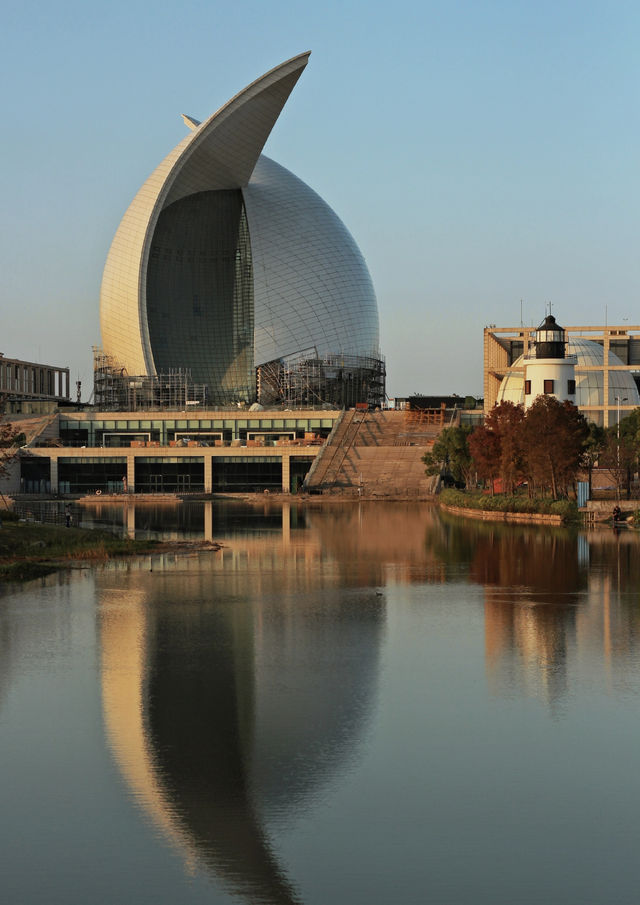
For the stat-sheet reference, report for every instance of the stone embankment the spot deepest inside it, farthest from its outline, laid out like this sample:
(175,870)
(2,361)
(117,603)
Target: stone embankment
(486,515)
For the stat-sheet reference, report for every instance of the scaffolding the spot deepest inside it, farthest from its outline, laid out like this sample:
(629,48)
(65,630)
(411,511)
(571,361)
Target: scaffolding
(114,389)
(341,381)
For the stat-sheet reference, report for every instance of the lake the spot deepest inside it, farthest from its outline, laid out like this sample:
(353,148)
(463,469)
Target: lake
(347,703)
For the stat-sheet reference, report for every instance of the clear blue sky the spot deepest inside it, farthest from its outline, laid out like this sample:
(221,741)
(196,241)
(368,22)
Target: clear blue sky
(481,153)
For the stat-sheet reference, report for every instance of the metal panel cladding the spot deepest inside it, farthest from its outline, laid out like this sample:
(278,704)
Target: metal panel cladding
(312,288)
(225,260)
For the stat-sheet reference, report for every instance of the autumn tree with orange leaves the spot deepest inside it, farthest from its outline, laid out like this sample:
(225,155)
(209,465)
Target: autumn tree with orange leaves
(542,446)
(555,436)
(497,447)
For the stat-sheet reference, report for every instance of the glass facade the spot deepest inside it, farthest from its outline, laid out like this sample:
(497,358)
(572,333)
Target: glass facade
(92,474)
(200,294)
(247,474)
(35,474)
(169,474)
(208,431)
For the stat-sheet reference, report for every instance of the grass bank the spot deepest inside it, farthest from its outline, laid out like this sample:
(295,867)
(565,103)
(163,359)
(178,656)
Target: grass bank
(515,503)
(31,551)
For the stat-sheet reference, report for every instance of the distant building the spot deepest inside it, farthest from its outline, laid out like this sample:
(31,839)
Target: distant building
(607,368)
(28,386)
(417,402)
(94,452)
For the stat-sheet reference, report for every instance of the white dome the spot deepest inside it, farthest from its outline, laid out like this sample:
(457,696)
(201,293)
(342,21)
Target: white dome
(589,384)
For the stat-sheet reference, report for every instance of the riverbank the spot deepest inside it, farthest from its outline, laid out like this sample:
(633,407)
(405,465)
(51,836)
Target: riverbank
(33,550)
(517,508)
(517,518)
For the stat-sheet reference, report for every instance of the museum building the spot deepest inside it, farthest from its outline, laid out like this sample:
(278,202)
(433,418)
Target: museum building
(229,281)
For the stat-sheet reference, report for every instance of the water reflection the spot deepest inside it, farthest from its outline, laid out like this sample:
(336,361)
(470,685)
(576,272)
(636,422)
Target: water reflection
(257,701)
(206,520)
(235,686)
(548,594)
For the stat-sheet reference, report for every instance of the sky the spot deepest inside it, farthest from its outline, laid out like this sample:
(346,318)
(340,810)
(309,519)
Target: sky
(484,155)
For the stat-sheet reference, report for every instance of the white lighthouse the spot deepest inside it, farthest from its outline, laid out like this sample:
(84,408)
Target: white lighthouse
(548,370)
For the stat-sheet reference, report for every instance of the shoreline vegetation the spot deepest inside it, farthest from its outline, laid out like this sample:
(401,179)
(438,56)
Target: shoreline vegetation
(511,504)
(35,550)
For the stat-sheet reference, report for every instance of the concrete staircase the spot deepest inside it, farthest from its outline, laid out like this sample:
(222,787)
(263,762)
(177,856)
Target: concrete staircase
(376,455)
(36,428)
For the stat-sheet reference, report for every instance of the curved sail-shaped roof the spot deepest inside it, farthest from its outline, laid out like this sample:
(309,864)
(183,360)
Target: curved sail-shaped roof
(225,260)
(219,154)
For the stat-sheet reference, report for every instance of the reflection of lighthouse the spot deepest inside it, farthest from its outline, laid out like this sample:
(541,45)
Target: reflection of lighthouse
(550,371)
(533,584)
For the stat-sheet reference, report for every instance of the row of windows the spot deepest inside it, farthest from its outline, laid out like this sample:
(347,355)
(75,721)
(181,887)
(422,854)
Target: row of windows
(207,432)
(194,424)
(32,380)
(549,387)
(157,475)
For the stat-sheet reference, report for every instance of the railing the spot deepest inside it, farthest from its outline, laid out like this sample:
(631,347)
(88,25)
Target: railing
(345,447)
(419,417)
(50,512)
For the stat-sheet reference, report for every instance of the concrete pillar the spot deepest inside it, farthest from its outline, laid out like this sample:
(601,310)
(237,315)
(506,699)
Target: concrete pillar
(286,525)
(131,473)
(208,474)
(130,514)
(208,521)
(286,472)
(53,463)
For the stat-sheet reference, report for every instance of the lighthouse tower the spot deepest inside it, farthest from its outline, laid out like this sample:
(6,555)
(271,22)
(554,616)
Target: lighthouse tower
(549,371)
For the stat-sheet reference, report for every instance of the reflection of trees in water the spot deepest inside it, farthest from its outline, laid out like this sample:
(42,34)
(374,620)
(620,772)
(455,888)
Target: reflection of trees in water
(548,593)
(250,698)
(617,553)
(542,560)
(533,582)
(540,566)
(369,539)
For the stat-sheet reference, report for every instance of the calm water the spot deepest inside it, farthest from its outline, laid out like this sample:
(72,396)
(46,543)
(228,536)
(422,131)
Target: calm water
(363,704)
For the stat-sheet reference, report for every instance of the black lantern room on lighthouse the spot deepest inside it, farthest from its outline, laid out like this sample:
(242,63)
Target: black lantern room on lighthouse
(548,370)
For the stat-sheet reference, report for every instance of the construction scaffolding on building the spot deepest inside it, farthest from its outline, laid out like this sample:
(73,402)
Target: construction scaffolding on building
(116,390)
(341,381)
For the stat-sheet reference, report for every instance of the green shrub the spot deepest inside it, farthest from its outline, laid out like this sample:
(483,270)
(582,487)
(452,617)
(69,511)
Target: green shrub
(8,515)
(503,502)
(568,509)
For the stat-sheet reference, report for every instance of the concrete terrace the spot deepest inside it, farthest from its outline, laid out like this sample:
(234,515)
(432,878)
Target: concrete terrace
(377,455)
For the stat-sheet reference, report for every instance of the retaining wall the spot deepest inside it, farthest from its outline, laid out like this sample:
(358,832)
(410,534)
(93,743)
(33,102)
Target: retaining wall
(487,515)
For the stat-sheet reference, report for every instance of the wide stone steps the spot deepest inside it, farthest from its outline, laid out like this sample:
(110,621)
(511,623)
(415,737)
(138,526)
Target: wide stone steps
(376,454)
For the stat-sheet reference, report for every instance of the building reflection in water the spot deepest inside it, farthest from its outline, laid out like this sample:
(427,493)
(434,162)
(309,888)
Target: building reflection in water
(551,596)
(534,586)
(237,684)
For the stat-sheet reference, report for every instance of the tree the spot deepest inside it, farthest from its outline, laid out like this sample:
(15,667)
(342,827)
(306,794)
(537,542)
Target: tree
(484,446)
(630,435)
(497,446)
(555,434)
(594,444)
(9,441)
(618,456)
(450,453)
